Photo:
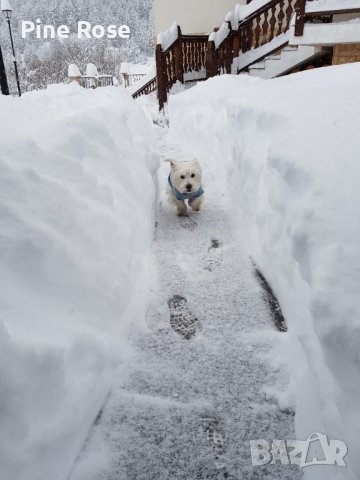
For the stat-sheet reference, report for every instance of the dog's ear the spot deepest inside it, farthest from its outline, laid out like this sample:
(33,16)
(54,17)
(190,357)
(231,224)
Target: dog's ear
(172,162)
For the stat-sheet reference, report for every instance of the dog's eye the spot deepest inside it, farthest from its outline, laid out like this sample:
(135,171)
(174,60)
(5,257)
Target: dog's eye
(182,176)
(193,175)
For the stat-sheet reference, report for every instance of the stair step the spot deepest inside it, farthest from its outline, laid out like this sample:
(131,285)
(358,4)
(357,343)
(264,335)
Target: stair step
(273,57)
(290,48)
(258,65)
(289,59)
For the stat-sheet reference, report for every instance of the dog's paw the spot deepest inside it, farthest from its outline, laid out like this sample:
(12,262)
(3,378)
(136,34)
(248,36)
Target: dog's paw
(182,213)
(182,320)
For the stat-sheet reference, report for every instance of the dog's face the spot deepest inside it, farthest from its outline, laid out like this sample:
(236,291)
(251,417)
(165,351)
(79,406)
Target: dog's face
(186,176)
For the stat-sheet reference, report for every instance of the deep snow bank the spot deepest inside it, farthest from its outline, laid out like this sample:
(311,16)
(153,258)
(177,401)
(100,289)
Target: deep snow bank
(288,152)
(77,200)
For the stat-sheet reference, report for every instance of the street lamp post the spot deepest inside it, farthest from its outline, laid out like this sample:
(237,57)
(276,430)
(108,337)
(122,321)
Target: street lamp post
(7,11)
(3,80)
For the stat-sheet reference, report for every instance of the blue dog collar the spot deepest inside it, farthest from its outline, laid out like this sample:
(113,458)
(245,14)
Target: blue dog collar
(185,196)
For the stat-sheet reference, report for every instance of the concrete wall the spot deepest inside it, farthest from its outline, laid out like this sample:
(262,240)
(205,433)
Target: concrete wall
(193,16)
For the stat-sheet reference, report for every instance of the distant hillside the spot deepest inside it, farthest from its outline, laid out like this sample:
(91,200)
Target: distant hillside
(42,62)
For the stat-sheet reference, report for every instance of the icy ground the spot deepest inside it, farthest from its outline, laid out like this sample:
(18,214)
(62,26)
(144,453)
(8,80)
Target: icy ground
(205,381)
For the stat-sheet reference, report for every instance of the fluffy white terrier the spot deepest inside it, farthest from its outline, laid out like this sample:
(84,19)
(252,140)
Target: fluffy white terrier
(185,184)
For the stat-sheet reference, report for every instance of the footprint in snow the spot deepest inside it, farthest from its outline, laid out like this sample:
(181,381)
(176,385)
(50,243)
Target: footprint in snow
(182,320)
(188,223)
(215,256)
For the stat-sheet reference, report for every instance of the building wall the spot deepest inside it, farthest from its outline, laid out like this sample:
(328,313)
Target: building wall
(346,54)
(193,16)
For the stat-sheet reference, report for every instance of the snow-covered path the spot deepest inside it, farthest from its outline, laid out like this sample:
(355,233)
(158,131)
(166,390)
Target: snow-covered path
(202,383)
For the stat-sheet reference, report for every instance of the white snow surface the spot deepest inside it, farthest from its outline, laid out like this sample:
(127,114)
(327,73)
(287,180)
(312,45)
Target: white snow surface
(219,36)
(287,150)
(325,5)
(91,70)
(241,12)
(5,5)
(166,39)
(143,81)
(73,70)
(135,68)
(77,199)
(230,373)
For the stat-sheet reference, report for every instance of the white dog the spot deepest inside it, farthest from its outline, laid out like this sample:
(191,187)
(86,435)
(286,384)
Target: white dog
(185,184)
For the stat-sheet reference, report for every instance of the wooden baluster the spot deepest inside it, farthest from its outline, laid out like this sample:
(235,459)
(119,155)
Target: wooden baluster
(265,28)
(237,43)
(288,13)
(257,31)
(281,16)
(190,56)
(196,56)
(244,38)
(172,68)
(272,22)
(184,42)
(230,53)
(199,56)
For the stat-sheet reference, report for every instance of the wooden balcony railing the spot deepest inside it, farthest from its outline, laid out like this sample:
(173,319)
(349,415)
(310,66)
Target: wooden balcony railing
(219,59)
(146,89)
(265,24)
(185,57)
(193,57)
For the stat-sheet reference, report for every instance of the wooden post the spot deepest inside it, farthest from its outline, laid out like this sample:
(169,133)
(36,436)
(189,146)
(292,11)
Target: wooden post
(210,59)
(160,77)
(237,42)
(300,18)
(179,61)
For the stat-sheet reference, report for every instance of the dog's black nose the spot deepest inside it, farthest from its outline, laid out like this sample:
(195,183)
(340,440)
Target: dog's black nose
(189,187)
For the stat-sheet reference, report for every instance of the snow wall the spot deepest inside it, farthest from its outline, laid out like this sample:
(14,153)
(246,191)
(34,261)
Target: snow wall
(287,151)
(77,212)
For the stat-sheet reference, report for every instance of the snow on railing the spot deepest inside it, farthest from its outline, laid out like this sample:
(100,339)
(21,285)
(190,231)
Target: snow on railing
(220,35)
(92,79)
(240,12)
(167,38)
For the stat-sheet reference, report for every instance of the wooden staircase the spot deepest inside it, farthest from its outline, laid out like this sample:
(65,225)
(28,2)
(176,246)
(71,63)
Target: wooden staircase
(257,44)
